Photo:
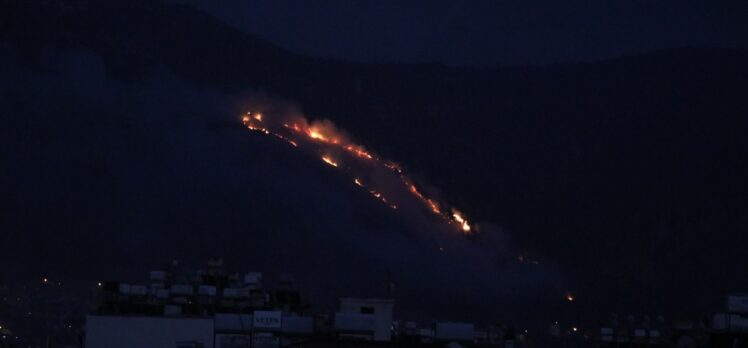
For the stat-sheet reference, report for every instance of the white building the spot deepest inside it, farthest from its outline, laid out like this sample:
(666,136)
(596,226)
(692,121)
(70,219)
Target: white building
(369,319)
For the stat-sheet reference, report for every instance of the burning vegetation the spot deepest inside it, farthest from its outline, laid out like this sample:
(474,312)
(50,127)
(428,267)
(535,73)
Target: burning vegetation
(336,150)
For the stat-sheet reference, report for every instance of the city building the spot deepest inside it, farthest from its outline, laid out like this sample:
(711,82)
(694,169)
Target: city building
(198,309)
(368,319)
(214,308)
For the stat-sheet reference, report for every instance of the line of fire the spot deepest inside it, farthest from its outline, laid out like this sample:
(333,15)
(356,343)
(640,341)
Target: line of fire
(335,150)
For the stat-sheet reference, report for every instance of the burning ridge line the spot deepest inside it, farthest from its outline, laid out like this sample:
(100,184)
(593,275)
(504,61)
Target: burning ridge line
(293,132)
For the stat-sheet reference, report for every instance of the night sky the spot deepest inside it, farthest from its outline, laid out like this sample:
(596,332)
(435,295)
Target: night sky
(484,33)
(597,147)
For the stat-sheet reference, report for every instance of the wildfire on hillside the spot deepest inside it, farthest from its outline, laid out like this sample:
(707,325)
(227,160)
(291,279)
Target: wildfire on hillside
(327,140)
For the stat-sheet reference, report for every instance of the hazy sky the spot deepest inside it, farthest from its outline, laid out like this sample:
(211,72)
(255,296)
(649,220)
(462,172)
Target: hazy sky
(484,32)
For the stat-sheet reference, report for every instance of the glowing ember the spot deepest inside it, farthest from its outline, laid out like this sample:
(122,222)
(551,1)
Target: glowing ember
(329,161)
(433,205)
(415,191)
(359,151)
(394,167)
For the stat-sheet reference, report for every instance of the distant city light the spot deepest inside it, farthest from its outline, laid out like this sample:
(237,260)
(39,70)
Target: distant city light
(570,297)
(574,329)
(45,280)
(98,284)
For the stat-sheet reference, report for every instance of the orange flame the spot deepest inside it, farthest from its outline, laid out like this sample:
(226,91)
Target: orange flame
(461,221)
(314,134)
(359,151)
(317,134)
(329,161)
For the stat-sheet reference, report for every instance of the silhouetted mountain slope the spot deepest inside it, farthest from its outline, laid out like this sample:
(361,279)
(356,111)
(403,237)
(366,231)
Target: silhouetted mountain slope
(629,173)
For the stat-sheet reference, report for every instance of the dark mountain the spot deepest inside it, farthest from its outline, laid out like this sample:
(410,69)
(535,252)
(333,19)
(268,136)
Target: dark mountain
(628,174)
